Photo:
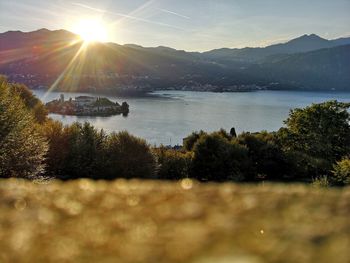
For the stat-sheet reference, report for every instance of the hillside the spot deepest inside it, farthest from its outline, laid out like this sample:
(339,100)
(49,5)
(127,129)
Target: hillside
(150,221)
(105,65)
(39,58)
(302,44)
(321,69)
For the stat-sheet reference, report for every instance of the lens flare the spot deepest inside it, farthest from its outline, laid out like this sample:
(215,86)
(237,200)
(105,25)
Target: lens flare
(91,30)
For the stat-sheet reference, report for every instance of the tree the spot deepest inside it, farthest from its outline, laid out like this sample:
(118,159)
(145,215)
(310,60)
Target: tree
(268,159)
(321,130)
(128,157)
(218,159)
(317,136)
(191,140)
(172,164)
(224,134)
(86,151)
(125,108)
(22,147)
(233,132)
(31,102)
(58,139)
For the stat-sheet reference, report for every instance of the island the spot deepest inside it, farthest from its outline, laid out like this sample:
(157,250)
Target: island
(87,106)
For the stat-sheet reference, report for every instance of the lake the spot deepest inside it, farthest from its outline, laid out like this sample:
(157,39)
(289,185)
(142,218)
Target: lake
(169,116)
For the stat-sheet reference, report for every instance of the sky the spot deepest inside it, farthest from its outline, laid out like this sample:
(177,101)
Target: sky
(192,25)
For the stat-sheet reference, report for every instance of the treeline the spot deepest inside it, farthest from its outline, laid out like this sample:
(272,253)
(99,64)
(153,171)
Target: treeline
(314,146)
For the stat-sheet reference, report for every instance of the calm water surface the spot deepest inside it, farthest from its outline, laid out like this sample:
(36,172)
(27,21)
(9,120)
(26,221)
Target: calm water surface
(171,115)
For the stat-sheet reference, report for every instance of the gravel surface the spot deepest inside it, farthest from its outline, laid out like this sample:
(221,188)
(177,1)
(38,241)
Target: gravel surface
(152,221)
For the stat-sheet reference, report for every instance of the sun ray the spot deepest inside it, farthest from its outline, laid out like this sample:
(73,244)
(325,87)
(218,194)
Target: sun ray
(68,69)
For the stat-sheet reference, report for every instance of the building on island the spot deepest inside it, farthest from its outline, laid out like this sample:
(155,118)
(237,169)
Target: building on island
(86,106)
(84,100)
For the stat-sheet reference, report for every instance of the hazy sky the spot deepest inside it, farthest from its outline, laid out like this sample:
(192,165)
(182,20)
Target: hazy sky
(186,24)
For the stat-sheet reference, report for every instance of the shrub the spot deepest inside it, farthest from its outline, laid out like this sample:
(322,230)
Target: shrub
(321,182)
(341,173)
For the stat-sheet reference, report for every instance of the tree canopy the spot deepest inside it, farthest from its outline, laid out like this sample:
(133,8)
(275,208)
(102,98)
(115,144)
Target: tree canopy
(22,147)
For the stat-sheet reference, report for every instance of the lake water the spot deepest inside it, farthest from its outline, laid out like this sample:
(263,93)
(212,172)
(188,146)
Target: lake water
(170,116)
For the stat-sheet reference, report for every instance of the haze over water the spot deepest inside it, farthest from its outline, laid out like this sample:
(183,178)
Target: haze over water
(172,115)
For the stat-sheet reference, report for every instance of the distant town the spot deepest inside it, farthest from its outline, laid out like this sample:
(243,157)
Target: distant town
(131,85)
(87,106)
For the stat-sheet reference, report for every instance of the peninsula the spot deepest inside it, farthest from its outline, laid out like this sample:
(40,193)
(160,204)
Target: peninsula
(87,106)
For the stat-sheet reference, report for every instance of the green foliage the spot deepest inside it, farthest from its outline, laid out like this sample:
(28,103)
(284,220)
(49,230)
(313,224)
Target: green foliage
(268,160)
(321,130)
(191,140)
(303,167)
(31,102)
(341,173)
(128,157)
(22,147)
(172,164)
(315,137)
(78,151)
(315,141)
(58,139)
(321,182)
(103,102)
(74,151)
(86,150)
(218,159)
(224,134)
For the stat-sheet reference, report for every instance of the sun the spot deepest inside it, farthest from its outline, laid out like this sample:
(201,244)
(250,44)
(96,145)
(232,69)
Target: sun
(91,30)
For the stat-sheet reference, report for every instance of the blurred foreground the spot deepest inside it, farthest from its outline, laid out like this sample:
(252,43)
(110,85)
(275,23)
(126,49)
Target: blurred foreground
(151,221)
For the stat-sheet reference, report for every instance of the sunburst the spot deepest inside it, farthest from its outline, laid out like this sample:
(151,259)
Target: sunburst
(91,30)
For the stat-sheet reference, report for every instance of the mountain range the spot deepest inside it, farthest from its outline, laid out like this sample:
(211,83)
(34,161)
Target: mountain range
(44,57)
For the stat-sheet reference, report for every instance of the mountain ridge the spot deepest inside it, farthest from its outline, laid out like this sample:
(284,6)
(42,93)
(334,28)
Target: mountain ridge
(45,55)
(337,41)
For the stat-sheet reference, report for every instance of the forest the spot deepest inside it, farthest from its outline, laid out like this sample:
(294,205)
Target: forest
(313,146)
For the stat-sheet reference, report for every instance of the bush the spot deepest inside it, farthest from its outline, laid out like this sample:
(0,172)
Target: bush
(22,147)
(217,159)
(172,164)
(128,157)
(341,173)
(321,182)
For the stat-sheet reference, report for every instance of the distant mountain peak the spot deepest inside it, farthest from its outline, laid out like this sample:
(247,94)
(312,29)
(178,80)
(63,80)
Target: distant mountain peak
(42,30)
(308,37)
